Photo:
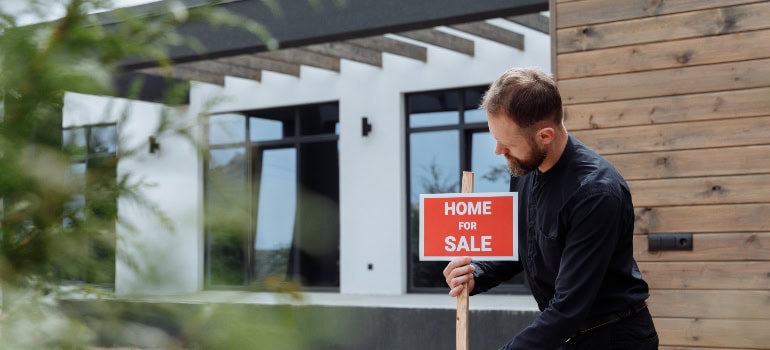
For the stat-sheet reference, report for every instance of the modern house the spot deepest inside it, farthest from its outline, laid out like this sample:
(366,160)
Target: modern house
(320,147)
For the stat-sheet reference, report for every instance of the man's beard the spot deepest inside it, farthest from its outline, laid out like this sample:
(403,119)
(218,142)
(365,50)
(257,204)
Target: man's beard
(521,167)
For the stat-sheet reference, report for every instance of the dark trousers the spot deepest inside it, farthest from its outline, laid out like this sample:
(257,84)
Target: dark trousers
(636,332)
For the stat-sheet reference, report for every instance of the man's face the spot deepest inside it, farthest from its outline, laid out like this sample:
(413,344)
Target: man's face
(518,146)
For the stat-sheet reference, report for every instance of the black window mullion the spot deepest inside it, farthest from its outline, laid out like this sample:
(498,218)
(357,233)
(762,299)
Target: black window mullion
(251,192)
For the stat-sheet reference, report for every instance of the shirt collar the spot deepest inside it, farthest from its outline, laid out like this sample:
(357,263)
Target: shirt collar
(560,165)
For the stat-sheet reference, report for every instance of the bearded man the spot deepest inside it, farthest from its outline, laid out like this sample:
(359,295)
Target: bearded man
(576,225)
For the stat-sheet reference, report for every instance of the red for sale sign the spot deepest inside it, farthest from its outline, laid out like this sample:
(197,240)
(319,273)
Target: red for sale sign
(480,225)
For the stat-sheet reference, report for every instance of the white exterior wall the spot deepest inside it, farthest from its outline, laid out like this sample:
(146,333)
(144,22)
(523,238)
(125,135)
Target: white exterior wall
(372,168)
(172,178)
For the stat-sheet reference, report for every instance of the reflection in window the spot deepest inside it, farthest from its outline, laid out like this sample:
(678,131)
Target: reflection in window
(226,128)
(490,172)
(433,119)
(284,183)
(433,163)
(445,136)
(475,116)
(103,139)
(92,208)
(262,129)
(277,206)
(228,206)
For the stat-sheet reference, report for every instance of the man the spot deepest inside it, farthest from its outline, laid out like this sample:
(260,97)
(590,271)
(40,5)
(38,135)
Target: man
(576,223)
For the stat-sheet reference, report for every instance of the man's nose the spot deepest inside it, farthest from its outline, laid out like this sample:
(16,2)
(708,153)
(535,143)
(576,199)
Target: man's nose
(499,149)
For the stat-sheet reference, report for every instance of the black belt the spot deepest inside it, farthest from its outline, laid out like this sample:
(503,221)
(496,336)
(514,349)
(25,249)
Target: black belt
(605,320)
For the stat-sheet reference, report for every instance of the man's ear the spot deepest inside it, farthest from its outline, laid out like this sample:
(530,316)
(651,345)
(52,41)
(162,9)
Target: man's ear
(545,136)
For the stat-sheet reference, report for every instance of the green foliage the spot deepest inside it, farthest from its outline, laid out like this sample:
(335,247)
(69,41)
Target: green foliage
(46,242)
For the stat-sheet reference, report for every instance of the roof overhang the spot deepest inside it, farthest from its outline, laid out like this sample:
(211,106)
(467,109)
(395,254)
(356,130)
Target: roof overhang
(299,23)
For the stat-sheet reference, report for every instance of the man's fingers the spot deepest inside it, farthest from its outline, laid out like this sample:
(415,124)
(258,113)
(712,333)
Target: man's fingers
(456,291)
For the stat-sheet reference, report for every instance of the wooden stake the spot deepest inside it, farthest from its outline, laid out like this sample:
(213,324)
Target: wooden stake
(462,299)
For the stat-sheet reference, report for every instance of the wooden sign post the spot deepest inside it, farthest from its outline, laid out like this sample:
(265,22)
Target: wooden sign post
(461,326)
(480,225)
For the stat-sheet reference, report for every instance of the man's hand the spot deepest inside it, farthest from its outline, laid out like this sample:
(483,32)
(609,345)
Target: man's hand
(458,272)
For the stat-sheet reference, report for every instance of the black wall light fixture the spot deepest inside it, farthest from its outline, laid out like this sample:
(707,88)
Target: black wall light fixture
(669,241)
(366,128)
(154,145)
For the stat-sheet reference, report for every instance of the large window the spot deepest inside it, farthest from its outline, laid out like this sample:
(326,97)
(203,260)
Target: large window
(272,198)
(446,134)
(92,210)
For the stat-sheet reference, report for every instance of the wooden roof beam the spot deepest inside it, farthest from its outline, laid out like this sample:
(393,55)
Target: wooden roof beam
(224,69)
(492,32)
(348,52)
(261,63)
(534,21)
(393,46)
(441,39)
(184,73)
(302,57)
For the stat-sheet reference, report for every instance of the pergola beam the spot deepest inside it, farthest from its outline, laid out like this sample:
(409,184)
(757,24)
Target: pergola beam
(186,74)
(393,46)
(348,52)
(534,21)
(302,57)
(215,67)
(492,32)
(261,63)
(441,39)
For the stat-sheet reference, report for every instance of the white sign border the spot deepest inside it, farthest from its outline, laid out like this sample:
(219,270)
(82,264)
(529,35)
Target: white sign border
(515,196)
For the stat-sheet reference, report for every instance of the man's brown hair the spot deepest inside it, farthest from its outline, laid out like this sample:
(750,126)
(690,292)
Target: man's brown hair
(527,95)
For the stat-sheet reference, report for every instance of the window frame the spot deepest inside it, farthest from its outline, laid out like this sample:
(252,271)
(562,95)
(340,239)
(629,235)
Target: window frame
(465,134)
(86,159)
(250,146)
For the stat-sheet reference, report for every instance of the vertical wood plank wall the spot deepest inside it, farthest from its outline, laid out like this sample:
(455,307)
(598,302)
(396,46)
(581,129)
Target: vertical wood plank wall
(676,94)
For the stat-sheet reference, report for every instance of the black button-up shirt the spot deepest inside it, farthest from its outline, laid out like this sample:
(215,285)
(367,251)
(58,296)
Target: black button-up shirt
(576,225)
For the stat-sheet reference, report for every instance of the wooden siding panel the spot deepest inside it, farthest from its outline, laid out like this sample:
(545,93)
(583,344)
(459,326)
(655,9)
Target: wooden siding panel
(713,304)
(687,163)
(668,54)
(704,218)
(599,11)
(729,275)
(676,94)
(711,247)
(669,109)
(748,334)
(675,81)
(717,21)
(705,134)
(702,190)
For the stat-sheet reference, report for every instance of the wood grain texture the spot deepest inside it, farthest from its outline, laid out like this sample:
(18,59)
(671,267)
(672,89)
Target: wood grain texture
(393,46)
(669,109)
(711,247)
(712,275)
(693,135)
(687,163)
(712,304)
(600,11)
(302,57)
(747,334)
(718,21)
(666,82)
(669,54)
(704,218)
(493,33)
(441,39)
(348,52)
(701,190)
